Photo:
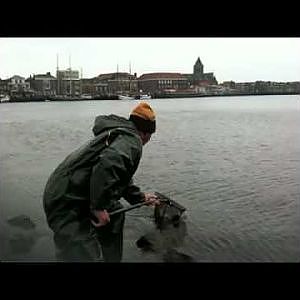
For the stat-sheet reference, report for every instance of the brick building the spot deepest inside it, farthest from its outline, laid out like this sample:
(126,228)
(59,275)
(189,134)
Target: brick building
(117,83)
(43,84)
(162,82)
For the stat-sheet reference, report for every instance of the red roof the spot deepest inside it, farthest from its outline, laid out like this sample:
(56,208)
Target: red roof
(150,76)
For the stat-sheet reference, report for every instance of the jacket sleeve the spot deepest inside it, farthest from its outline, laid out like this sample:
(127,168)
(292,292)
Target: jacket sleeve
(113,172)
(133,194)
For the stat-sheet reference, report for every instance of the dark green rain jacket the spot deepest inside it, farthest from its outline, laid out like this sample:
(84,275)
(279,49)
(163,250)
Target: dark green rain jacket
(96,175)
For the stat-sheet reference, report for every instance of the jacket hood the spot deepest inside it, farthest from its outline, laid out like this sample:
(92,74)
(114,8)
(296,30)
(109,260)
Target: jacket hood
(105,122)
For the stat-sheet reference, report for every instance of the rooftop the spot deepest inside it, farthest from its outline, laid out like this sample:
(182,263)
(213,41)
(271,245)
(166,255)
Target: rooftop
(161,76)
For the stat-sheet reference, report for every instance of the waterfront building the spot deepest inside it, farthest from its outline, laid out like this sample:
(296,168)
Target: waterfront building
(4,87)
(117,83)
(43,84)
(17,85)
(162,82)
(87,86)
(101,89)
(198,77)
(262,87)
(68,82)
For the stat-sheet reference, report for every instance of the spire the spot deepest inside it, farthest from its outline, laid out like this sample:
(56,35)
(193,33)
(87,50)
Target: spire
(198,70)
(70,61)
(57,67)
(198,62)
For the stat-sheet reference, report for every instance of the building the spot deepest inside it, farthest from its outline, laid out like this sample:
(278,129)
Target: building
(87,86)
(17,85)
(162,82)
(68,82)
(198,76)
(262,87)
(117,83)
(43,84)
(101,89)
(4,87)
(228,84)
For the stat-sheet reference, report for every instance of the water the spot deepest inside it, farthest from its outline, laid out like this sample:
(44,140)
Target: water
(233,162)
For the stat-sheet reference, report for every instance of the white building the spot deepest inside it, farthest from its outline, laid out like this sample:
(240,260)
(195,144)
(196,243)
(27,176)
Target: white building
(68,82)
(17,84)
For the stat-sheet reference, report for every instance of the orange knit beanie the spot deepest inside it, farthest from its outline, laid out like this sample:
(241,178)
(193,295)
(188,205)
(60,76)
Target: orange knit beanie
(143,117)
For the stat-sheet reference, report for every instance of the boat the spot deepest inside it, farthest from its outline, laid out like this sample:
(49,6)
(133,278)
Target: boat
(143,97)
(4,98)
(135,97)
(125,97)
(86,96)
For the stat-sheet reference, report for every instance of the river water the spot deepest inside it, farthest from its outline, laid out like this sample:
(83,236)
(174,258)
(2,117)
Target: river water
(233,162)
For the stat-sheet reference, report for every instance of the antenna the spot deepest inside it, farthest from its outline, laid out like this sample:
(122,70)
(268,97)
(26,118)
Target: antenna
(130,67)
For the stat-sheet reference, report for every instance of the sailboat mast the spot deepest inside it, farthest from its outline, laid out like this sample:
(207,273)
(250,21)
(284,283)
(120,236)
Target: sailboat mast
(81,81)
(70,75)
(57,75)
(118,82)
(129,77)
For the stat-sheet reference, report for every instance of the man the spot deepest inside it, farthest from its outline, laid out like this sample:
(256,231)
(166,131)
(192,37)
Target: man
(87,185)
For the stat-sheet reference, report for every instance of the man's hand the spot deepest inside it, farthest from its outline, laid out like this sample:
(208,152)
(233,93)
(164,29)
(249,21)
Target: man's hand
(102,217)
(151,199)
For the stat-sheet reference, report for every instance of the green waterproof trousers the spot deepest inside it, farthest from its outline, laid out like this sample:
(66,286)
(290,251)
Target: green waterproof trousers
(80,241)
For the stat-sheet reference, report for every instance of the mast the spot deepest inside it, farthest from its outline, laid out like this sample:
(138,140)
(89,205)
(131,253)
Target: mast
(81,81)
(129,77)
(57,75)
(118,82)
(70,76)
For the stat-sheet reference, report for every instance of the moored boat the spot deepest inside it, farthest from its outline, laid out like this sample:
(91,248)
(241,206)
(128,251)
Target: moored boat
(143,97)
(4,98)
(125,97)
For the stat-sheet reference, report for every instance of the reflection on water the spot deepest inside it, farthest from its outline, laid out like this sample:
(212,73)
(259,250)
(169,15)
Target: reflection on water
(233,162)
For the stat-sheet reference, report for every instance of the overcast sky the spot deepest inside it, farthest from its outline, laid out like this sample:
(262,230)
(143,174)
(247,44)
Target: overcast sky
(237,59)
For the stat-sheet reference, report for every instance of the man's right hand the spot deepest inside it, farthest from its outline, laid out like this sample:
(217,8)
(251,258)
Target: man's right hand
(151,199)
(102,216)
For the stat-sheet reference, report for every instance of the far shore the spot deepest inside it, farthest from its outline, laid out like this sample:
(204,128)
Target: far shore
(156,96)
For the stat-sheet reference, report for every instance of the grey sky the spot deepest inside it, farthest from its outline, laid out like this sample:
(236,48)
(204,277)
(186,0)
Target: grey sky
(237,59)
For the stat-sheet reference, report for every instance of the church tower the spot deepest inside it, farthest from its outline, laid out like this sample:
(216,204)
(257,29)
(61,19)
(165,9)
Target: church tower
(198,70)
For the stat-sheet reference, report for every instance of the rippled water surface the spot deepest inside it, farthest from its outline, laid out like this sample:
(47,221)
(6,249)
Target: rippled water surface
(233,162)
